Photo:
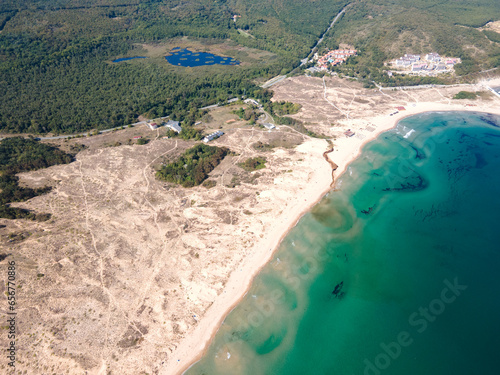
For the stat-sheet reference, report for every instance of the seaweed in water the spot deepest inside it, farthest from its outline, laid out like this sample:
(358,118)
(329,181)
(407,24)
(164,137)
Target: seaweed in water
(337,292)
(418,185)
(369,211)
(419,154)
(490,121)
(493,135)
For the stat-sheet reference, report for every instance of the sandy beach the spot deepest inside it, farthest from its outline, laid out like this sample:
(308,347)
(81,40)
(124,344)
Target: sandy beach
(346,149)
(138,274)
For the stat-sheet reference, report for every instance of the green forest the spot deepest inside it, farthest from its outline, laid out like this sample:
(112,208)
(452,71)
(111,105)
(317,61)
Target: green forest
(194,165)
(56,73)
(21,155)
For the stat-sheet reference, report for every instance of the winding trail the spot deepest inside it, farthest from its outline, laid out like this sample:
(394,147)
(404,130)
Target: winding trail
(157,267)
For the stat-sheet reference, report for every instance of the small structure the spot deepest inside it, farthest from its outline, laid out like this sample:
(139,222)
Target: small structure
(251,101)
(348,133)
(233,100)
(173,125)
(153,125)
(401,108)
(137,137)
(268,125)
(212,136)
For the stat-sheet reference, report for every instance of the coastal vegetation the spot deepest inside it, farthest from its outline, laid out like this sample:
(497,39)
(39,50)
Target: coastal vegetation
(253,164)
(465,95)
(282,108)
(21,155)
(142,141)
(194,165)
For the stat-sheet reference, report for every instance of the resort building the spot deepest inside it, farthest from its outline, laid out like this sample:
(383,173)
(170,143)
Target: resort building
(173,125)
(407,60)
(334,57)
(418,67)
(433,56)
(431,64)
(212,136)
(153,125)
(403,62)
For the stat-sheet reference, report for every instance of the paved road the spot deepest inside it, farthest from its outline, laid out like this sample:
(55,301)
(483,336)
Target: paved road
(277,79)
(304,61)
(100,131)
(273,81)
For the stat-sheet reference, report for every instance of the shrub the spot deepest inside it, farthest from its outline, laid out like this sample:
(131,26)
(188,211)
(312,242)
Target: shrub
(252,164)
(465,95)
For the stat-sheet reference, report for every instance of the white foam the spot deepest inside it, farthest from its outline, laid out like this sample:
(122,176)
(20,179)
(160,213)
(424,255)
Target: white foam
(409,133)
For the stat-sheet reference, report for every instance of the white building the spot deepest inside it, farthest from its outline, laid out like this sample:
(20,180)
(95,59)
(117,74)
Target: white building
(174,125)
(212,136)
(433,56)
(268,125)
(252,101)
(153,125)
(418,67)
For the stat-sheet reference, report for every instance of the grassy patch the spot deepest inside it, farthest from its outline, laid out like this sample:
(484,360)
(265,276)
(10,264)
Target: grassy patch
(253,164)
(465,95)
(209,184)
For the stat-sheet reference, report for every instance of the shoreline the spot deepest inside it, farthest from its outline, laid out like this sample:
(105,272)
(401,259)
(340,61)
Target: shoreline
(345,151)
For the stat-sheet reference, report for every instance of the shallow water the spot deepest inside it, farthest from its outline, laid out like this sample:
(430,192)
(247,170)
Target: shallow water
(393,273)
(187,58)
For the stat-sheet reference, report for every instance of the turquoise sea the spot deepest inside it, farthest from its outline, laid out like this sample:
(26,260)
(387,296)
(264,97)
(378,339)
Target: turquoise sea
(397,271)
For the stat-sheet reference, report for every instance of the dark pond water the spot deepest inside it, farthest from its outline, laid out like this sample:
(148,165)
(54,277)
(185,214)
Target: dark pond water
(129,58)
(187,58)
